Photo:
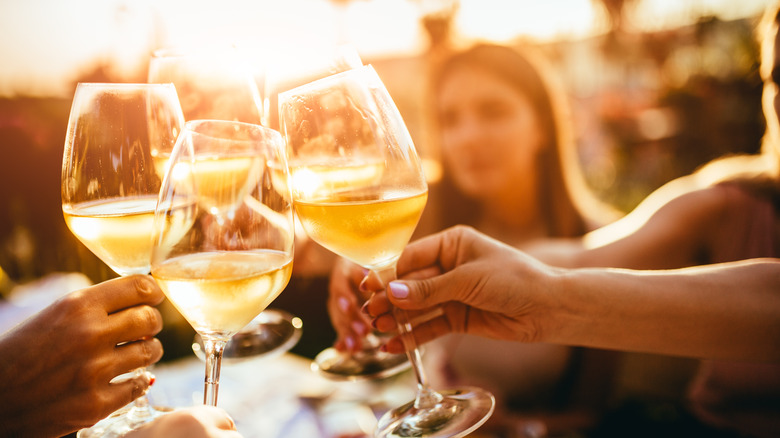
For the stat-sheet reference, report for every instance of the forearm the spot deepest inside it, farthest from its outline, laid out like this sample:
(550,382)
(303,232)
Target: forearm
(729,311)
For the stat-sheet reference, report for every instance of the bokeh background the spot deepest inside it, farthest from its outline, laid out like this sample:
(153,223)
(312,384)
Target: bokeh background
(658,87)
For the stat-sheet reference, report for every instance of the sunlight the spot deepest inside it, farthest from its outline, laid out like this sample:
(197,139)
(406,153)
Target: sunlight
(49,43)
(503,20)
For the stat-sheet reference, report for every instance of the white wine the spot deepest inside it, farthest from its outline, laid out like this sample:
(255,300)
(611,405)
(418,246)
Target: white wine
(219,293)
(117,230)
(221,183)
(371,232)
(313,181)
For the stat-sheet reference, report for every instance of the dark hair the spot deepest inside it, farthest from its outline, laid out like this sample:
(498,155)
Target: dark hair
(759,173)
(562,189)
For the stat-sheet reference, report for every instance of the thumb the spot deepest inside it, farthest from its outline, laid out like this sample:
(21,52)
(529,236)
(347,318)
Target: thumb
(424,293)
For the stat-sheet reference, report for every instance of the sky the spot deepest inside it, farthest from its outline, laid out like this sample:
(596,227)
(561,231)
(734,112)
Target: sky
(47,43)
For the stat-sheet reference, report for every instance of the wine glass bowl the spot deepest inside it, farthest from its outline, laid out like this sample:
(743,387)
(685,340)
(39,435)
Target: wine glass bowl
(212,82)
(359,191)
(224,231)
(110,187)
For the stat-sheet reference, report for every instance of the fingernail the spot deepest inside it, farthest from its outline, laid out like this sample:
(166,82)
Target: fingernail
(359,327)
(362,286)
(343,304)
(350,343)
(383,348)
(152,380)
(364,309)
(399,290)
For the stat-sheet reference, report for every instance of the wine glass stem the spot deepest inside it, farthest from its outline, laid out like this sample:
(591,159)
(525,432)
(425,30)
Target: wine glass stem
(426,397)
(141,411)
(214,349)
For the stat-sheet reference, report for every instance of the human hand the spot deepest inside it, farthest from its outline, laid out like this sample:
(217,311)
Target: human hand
(345,300)
(58,363)
(479,285)
(194,422)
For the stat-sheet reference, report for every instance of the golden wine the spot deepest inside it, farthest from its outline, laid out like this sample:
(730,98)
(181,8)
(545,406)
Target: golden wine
(219,293)
(371,232)
(221,182)
(313,181)
(117,230)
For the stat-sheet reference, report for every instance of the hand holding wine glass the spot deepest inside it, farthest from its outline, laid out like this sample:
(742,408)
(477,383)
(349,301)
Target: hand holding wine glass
(110,186)
(223,242)
(359,191)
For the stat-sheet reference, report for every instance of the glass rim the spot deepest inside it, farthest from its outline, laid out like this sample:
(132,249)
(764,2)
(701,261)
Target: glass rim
(301,89)
(196,51)
(191,125)
(139,85)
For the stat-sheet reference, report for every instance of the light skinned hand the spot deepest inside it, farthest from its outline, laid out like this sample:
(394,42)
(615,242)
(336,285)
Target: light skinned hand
(193,422)
(492,290)
(345,300)
(57,364)
(460,271)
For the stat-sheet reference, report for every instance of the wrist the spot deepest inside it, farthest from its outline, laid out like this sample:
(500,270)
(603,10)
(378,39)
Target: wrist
(561,298)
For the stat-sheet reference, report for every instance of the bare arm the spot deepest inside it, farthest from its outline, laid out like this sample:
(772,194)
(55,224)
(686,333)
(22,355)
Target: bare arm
(672,228)
(726,311)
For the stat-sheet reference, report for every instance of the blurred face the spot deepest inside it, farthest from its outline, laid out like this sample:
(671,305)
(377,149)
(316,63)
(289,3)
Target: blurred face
(490,133)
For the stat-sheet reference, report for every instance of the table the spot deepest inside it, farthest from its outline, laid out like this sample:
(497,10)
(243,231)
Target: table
(280,397)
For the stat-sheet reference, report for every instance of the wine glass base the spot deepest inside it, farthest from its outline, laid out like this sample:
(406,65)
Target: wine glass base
(460,412)
(271,333)
(362,365)
(122,421)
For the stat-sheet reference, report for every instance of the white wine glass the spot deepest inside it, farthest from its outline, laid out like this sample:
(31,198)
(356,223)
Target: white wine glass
(110,187)
(212,82)
(218,83)
(359,190)
(369,362)
(223,242)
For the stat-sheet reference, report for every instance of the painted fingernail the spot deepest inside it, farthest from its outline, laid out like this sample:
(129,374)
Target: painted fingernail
(359,327)
(343,304)
(399,290)
(364,309)
(362,286)
(350,343)
(152,380)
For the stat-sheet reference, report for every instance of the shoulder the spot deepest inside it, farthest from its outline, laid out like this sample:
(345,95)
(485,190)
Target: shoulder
(682,205)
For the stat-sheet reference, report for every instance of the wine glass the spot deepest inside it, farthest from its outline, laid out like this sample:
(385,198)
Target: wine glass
(215,82)
(110,186)
(285,73)
(223,242)
(359,190)
(212,82)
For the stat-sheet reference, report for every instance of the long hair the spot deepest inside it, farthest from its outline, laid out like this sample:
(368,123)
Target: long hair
(567,207)
(757,172)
